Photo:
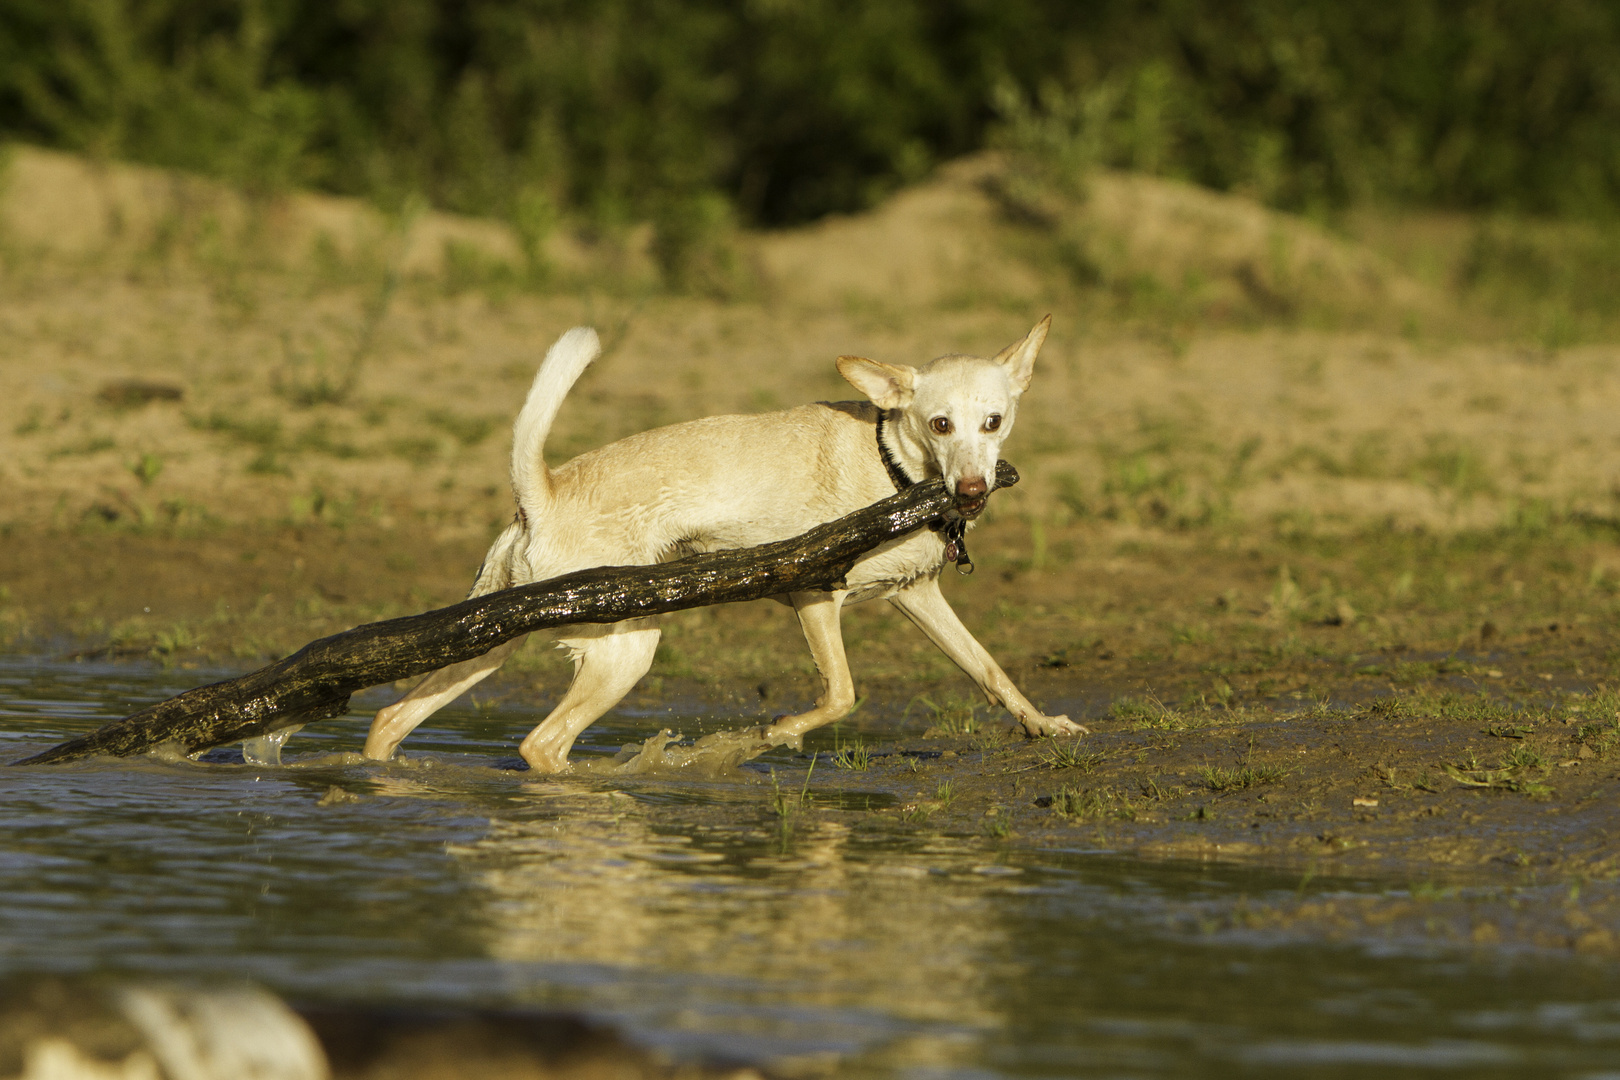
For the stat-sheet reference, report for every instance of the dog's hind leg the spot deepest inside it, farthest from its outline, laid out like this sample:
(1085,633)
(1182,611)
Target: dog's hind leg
(925,605)
(607,663)
(393,723)
(819,616)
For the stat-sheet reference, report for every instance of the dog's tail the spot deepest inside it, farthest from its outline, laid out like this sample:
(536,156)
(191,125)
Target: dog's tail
(565,362)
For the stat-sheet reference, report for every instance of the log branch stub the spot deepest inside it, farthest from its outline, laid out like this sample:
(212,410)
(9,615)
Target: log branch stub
(315,682)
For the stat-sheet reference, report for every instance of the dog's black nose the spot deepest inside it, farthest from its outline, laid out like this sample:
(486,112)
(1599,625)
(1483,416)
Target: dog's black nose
(971,489)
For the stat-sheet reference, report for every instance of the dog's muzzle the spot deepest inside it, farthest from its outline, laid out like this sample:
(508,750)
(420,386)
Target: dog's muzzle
(972,506)
(971,496)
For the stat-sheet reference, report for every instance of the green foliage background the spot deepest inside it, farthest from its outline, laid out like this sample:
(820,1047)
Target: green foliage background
(776,111)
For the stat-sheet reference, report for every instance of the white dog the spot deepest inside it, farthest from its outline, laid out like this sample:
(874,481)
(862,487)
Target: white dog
(735,481)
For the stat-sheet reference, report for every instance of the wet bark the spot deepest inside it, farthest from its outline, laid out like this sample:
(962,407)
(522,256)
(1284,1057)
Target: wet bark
(315,683)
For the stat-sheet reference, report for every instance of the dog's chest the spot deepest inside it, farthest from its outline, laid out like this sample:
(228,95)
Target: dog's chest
(894,566)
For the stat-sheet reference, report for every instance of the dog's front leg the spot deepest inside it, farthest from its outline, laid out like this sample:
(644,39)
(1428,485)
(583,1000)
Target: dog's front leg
(925,605)
(819,614)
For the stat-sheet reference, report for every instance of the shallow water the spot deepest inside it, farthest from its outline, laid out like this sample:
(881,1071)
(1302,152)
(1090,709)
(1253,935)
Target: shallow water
(683,913)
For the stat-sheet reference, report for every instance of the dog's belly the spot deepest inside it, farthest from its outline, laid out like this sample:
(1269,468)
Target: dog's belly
(893,566)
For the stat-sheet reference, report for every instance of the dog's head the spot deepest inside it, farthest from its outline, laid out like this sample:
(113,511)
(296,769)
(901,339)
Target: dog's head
(955,412)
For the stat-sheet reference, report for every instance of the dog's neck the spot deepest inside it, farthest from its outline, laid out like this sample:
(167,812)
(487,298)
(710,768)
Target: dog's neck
(953,529)
(893,461)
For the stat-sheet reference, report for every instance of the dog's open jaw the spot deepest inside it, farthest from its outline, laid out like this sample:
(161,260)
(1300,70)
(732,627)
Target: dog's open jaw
(954,412)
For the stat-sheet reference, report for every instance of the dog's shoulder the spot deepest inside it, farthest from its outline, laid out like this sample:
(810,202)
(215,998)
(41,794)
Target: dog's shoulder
(864,411)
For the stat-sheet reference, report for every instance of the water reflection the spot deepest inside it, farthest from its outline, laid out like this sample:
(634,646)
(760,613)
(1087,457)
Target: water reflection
(853,939)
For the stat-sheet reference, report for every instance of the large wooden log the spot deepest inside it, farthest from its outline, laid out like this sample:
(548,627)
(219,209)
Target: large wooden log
(315,682)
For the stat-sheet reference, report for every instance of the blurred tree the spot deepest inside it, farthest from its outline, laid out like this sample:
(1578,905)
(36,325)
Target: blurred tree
(788,109)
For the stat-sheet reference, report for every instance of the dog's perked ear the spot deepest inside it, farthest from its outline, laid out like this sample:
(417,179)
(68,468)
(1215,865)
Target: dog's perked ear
(889,386)
(1019,358)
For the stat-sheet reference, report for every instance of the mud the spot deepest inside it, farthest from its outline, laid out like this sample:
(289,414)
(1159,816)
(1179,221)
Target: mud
(1340,791)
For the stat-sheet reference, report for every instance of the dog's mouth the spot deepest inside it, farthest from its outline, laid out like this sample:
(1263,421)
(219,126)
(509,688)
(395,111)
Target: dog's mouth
(971,506)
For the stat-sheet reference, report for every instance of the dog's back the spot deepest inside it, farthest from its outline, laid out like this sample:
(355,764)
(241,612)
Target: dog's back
(715,483)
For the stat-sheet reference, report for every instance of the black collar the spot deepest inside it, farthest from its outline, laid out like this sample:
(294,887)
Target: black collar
(954,528)
(897,475)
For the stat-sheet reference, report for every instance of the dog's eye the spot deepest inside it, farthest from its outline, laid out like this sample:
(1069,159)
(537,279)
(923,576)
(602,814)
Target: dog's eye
(941,425)
(992,423)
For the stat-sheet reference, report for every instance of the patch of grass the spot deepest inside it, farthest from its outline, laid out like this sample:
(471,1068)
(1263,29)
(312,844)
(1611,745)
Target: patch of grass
(1058,756)
(1472,708)
(466,430)
(1240,778)
(468,269)
(916,813)
(1507,731)
(93,444)
(1524,756)
(1088,804)
(853,756)
(1154,792)
(787,804)
(310,376)
(1189,634)
(1601,737)
(1450,464)
(954,717)
(1162,475)
(268,463)
(1412,672)
(1555,279)
(167,645)
(1151,714)
(415,449)
(945,792)
(995,738)
(146,469)
(320,438)
(263,433)
(317,505)
(1512,773)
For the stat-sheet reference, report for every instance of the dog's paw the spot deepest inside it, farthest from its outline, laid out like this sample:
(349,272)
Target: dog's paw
(1046,727)
(777,737)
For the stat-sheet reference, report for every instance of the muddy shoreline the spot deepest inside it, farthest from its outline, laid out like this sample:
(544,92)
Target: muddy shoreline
(1351,703)
(1462,752)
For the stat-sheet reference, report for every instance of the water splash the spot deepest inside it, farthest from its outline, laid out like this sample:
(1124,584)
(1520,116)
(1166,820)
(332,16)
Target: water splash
(266,749)
(713,757)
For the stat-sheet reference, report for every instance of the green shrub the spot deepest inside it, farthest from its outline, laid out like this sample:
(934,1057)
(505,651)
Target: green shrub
(644,109)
